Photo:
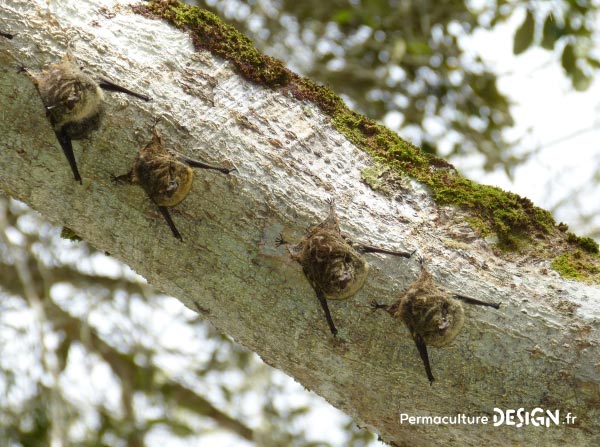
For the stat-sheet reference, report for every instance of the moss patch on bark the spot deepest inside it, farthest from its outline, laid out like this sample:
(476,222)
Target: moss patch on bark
(514,219)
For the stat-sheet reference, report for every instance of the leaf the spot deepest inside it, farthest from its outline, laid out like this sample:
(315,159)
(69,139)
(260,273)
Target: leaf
(551,32)
(524,34)
(568,58)
(62,353)
(580,80)
(343,16)
(595,63)
(418,47)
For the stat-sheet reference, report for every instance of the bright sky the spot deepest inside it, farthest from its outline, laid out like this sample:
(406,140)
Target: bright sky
(546,103)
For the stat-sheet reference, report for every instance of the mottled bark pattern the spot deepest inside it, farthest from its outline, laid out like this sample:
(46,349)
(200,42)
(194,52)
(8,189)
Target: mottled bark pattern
(541,350)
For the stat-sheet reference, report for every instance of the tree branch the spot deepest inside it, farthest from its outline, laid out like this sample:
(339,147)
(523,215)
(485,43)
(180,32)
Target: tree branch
(539,350)
(136,378)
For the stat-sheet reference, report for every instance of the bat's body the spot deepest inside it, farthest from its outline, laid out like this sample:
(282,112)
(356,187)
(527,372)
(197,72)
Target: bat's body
(433,316)
(166,176)
(74,103)
(332,264)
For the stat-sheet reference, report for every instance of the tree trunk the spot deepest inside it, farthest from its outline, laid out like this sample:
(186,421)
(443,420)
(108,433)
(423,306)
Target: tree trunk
(539,350)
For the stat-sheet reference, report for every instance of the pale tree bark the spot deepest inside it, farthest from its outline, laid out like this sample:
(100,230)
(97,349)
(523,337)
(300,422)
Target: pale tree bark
(539,350)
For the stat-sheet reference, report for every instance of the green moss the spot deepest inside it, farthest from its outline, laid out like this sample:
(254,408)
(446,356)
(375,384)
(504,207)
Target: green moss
(508,215)
(210,33)
(67,233)
(304,89)
(585,243)
(511,217)
(514,219)
(577,265)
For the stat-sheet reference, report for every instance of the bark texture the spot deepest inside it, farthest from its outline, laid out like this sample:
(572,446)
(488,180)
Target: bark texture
(541,349)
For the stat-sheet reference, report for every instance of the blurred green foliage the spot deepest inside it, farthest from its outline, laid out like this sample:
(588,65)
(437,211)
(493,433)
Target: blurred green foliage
(386,57)
(92,356)
(405,58)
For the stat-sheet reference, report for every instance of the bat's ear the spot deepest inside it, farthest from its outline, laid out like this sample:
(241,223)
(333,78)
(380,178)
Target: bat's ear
(69,56)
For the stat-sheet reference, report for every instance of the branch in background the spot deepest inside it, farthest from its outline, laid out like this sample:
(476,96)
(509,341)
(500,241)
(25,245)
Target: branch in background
(141,378)
(303,145)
